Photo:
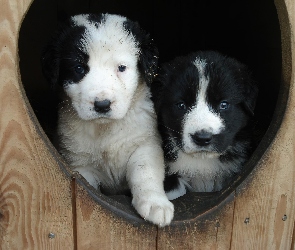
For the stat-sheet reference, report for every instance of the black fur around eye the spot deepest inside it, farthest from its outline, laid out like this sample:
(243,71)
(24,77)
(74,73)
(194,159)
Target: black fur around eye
(181,105)
(121,68)
(224,105)
(79,69)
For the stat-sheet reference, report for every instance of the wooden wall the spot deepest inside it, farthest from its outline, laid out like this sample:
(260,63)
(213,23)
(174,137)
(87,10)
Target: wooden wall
(43,206)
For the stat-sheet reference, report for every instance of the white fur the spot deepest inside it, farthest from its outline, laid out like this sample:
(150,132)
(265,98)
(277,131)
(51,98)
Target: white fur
(201,117)
(200,171)
(120,148)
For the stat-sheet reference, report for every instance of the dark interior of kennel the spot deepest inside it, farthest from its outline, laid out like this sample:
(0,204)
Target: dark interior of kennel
(247,30)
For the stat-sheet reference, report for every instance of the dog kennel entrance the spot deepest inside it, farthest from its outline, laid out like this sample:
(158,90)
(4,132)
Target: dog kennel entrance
(91,217)
(246,30)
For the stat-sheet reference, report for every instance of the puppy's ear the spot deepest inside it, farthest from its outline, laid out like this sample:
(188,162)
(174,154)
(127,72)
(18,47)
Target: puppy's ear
(148,57)
(250,90)
(50,63)
(251,94)
(50,58)
(158,87)
(149,60)
(248,86)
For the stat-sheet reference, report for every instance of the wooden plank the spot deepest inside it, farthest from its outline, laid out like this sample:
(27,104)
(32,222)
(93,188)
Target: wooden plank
(211,230)
(267,196)
(35,196)
(103,223)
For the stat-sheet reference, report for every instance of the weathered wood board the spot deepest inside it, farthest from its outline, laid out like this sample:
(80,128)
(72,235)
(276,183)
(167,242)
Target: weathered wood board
(31,202)
(39,197)
(99,227)
(267,197)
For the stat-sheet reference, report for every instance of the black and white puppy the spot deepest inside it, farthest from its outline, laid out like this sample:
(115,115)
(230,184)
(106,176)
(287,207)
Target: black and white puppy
(204,102)
(107,124)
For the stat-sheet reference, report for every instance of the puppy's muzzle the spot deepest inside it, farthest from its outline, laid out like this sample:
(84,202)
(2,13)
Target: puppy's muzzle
(102,106)
(202,138)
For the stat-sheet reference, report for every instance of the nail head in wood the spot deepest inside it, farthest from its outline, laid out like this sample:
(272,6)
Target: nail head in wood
(51,235)
(247,220)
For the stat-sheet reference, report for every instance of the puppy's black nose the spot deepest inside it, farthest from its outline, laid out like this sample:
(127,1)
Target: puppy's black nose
(202,138)
(102,106)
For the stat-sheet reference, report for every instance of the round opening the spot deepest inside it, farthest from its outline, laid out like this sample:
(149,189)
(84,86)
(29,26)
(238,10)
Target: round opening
(246,30)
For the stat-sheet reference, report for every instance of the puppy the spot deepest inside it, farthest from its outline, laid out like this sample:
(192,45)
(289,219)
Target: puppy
(107,125)
(204,102)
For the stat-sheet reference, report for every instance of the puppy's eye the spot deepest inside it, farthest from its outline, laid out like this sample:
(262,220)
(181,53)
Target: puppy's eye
(223,105)
(79,69)
(121,68)
(181,105)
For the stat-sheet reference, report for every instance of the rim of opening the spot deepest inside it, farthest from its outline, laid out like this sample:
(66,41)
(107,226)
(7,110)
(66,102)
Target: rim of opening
(208,201)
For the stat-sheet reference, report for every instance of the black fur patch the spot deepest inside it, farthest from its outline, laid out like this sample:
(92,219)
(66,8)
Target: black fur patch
(171,182)
(148,58)
(96,19)
(63,54)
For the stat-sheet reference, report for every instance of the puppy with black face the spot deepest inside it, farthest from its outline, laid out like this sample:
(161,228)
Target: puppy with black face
(107,125)
(204,102)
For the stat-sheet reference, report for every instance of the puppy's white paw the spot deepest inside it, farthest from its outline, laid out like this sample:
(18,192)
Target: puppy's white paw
(89,174)
(154,207)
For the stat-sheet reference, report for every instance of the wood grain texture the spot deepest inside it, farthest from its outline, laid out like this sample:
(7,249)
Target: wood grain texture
(267,197)
(101,228)
(36,196)
(212,230)
(31,202)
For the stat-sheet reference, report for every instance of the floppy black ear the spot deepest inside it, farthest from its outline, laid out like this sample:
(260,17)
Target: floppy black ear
(248,86)
(250,90)
(50,59)
(50,64)
(251,94)
(148,58)
(156,91)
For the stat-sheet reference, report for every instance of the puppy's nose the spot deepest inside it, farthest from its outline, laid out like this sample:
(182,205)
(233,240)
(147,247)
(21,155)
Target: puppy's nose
(102,106)
(202,138)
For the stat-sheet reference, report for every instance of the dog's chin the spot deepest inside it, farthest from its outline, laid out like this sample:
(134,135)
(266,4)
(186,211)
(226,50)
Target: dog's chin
(105,119)
(100,118)
(203,154)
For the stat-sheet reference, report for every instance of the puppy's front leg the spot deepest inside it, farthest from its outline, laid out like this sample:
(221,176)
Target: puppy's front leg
(145,175)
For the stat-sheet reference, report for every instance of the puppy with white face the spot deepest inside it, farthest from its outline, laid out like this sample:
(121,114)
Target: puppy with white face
(107,125)
(204,102)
